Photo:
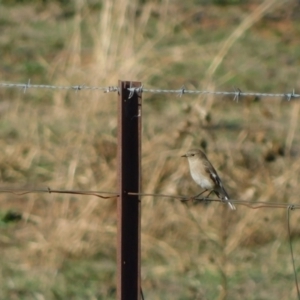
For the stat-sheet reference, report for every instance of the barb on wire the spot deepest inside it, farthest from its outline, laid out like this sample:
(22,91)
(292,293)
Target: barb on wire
(289,208)
(78,87)
(133,90)
(182,90)
(26,86)
(99,194)
(237,94)
(291,95)
(110,89)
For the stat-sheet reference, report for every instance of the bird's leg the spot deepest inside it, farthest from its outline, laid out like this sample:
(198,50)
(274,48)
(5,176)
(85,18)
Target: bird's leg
(206,198)
(199,194)
(195,197)
(208,195)
(192,198)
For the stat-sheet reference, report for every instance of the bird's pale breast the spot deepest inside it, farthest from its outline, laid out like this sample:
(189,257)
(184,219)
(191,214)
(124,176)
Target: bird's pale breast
(200,176)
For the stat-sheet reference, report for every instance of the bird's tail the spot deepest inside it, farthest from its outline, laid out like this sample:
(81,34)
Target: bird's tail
(230,204)
(224,196)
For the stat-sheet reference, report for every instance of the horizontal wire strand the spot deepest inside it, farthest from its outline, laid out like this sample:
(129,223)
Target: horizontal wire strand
(24,191)
(109,195)
(57,87)
(237,93)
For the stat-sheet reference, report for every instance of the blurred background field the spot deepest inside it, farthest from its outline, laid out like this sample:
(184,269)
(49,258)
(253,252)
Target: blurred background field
(63,247)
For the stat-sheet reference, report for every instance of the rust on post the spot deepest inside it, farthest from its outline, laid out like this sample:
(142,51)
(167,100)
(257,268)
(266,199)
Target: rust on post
(129,180)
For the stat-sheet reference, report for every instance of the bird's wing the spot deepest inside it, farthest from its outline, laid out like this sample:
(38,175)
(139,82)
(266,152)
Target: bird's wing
(219,188)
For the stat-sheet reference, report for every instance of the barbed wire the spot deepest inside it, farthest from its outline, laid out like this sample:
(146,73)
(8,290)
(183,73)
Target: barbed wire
(24,191)
(182,198)
(236,93)
(250,204)
(26,86)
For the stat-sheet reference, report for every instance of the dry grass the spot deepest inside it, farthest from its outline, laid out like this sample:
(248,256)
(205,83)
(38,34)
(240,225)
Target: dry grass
(68,140)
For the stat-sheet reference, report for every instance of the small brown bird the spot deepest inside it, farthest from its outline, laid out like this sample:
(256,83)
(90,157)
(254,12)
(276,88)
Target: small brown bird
(205,175)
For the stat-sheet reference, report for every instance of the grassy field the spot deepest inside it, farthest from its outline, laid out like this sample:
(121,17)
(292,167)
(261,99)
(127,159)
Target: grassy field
(63,246)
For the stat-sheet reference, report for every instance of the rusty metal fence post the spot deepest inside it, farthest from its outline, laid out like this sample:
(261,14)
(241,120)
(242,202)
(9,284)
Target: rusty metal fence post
(129,166)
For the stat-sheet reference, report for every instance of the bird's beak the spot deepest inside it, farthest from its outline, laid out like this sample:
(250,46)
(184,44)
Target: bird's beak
(184,155)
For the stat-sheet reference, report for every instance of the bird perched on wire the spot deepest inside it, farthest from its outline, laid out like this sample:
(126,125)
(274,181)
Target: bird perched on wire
(205,175)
